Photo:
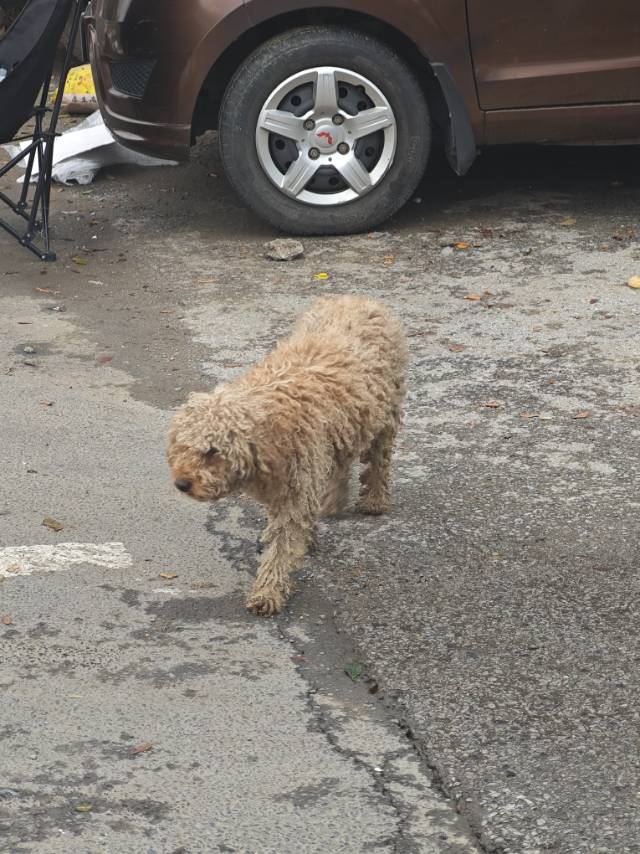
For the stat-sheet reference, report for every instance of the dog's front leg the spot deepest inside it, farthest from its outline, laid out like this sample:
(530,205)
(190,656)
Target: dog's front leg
(288,543)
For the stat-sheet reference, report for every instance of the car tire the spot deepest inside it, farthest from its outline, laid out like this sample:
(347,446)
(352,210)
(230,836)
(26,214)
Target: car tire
(358,63)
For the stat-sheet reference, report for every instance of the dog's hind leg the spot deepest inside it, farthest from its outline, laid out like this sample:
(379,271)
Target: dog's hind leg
(337,493)
(375,495)
(289,537)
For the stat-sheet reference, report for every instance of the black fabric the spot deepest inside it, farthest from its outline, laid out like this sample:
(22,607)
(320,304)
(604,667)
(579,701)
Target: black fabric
(28,52)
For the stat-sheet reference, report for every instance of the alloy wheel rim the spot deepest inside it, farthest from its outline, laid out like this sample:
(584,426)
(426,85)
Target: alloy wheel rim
(326,136)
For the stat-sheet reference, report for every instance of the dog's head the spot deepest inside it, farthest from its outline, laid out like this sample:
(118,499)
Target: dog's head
(209,452)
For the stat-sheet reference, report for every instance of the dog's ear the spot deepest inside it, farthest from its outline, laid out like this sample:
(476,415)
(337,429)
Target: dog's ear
(236,449)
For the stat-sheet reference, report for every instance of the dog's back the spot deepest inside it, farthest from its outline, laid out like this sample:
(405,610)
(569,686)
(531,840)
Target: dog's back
(363,326)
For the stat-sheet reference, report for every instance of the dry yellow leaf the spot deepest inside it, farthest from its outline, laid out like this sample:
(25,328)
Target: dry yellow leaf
(584,414)
(52,523)
(6,620)
(83,807)
(634,282)
(168,575)
(388,260)
(474,297)
(462,245)
(570,220)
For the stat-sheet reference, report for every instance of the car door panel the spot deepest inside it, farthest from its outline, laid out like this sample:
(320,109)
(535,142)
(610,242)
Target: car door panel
(553,52)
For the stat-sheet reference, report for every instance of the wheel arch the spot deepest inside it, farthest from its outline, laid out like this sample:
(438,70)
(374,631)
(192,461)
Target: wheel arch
(446,102)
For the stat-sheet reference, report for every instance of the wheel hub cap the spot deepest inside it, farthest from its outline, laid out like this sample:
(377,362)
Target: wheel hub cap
(326,136)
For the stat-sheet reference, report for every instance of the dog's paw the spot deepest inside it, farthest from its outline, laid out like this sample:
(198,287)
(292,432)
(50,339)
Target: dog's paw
(372,507)
(266,603)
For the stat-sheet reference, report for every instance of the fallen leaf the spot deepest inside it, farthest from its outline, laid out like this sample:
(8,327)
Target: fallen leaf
(145,747)
(209,281)
(474,297)
(83,807)
(79,260)
(388,260)
(634,282)
(168,575)
(457,348)
(50,522)
(14,567)
(49,291)
(6,620)
(322,277)
(584,414)
(529,415)
(354,670)
(167,311)
(104,360)
(570,220)
(462,245)
(491,404)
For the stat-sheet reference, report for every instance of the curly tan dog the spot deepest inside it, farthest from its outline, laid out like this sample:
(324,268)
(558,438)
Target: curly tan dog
(287,431)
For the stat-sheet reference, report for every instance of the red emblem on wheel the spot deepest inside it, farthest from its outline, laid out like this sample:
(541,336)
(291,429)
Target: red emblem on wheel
(327,135)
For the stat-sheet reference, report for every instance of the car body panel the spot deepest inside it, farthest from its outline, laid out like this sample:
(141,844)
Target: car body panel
(555,52)
(438,28)
(186,46)
(591,124)
(548,71)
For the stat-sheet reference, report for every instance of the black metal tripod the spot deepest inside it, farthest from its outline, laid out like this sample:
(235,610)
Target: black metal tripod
(35,211)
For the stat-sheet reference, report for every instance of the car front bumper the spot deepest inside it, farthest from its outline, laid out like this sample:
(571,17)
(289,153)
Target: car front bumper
(137,80)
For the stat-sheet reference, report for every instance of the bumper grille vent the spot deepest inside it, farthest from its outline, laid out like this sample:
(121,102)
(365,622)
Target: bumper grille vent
(131,77)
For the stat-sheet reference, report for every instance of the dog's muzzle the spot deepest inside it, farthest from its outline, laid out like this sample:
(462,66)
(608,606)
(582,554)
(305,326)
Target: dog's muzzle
(182,484)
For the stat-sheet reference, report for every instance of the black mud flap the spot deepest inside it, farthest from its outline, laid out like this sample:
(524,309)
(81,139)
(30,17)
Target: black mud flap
(460,146)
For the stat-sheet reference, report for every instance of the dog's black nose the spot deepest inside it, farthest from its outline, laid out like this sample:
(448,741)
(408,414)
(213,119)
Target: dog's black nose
(182,484)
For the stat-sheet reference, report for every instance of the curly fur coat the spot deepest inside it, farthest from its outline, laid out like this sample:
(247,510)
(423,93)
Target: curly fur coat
(287,431)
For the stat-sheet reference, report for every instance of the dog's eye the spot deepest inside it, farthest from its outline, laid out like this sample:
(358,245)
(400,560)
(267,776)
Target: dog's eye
(211,452)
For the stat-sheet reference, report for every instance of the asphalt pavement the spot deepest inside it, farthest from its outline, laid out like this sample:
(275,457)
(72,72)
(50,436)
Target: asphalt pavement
(489,624)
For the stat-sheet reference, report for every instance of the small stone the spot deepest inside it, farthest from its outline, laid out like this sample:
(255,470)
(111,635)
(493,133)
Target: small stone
(28,349)
(283,250)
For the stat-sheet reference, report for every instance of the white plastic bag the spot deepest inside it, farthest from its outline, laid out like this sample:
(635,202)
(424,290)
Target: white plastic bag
(80,153)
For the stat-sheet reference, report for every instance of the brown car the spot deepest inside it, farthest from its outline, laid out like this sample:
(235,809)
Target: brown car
(327,113)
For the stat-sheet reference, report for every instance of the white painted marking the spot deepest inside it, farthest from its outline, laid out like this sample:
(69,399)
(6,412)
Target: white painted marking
(23,560)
